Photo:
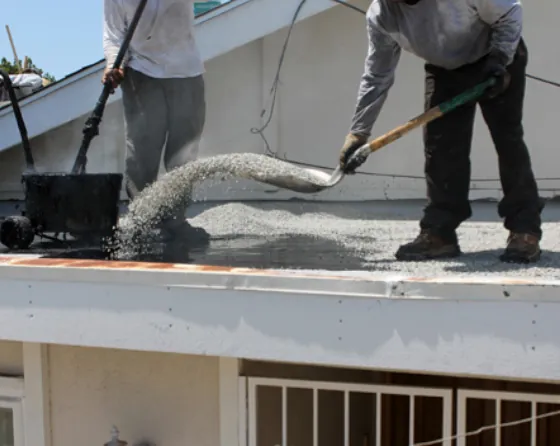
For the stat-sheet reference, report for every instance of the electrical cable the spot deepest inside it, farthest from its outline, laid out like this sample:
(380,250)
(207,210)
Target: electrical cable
(544,81)
(489,427)
(274,90)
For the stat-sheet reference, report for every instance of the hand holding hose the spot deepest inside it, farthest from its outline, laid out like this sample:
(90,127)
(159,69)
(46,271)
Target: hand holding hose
(113,76)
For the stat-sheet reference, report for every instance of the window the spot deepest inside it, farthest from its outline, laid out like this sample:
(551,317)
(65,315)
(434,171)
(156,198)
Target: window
(295,412)
(529,418)
(11,427)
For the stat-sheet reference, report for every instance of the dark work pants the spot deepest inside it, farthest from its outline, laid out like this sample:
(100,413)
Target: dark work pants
(161,115)
(447,142)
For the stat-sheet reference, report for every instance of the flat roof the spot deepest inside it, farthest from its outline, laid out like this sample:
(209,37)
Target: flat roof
(330,239)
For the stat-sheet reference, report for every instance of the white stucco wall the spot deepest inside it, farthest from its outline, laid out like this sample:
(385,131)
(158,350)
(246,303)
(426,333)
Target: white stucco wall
(315,102)
(11,358)
(167,399)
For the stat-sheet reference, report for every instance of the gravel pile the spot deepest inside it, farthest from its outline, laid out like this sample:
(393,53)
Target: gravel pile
(138,230)
(307,235)
(354,237)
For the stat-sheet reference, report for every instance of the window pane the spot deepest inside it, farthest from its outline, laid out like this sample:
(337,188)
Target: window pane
(6,427)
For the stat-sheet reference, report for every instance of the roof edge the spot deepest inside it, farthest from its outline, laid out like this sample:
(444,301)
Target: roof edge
(363,283)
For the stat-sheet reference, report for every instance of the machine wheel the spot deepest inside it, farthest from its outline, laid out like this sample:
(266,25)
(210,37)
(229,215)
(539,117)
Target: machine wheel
(16,233)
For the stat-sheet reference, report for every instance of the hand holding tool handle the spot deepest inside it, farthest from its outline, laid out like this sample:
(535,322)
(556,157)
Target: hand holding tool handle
(91,128)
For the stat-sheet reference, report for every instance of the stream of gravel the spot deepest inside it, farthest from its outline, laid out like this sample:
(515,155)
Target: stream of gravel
(317,236)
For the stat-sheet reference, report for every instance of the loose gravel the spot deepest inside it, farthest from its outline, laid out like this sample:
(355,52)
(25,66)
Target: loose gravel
(314,236)
(139,230)
(359,237)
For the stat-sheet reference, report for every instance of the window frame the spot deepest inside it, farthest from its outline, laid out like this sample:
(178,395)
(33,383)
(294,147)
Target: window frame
(11,397)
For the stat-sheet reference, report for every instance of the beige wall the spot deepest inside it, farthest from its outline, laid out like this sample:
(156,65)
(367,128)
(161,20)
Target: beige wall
(11,358)
(168,399)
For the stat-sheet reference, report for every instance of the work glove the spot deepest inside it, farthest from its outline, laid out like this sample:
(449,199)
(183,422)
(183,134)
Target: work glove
(114,76)
(352,143)
(495,67)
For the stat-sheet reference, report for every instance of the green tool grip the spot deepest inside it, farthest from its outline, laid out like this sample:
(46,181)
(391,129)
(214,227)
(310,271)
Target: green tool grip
(467,96)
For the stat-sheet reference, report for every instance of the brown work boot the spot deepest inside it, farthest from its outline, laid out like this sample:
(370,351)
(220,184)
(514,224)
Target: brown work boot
(426,247)
(521,248)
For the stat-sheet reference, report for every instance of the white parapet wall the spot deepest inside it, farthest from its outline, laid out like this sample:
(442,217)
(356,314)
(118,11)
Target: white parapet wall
(499,327)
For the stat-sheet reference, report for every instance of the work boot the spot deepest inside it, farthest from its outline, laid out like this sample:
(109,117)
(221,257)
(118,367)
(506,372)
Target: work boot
(428,246)
(521,248)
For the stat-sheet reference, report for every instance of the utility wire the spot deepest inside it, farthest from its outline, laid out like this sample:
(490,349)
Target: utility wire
(274,91)
(488,428)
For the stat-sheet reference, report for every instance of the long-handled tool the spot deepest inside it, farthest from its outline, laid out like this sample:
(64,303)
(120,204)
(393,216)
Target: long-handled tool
(316,180)
(91,129)
(30,163)
(16,58)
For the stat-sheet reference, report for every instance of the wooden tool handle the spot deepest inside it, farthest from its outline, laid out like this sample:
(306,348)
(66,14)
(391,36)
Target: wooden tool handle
(16,58)
(430,115)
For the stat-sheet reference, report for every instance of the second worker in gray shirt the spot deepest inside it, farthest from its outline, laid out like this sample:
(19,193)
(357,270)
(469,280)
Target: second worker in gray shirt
(463,43)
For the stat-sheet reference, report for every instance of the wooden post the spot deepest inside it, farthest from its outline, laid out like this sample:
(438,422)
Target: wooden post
(13,48)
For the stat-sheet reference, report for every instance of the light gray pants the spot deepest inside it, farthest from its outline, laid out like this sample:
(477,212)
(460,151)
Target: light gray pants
(160,114)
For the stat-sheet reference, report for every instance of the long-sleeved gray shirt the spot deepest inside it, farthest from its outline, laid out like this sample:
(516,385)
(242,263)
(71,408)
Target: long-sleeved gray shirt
(163,45)
(445,33)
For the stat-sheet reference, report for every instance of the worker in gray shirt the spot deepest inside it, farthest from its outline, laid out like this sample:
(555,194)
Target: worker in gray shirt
(162,87)
(463,43)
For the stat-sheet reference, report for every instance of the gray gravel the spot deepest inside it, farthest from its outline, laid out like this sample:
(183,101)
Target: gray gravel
(138,230)
(358,237)
(317,236)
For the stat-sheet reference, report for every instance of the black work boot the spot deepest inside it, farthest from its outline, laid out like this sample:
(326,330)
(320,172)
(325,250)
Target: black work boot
(521,248)
(428,246)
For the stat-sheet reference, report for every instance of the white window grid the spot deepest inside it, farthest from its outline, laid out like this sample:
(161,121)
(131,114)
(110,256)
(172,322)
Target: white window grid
(11,397)
(252,383)
(498,396)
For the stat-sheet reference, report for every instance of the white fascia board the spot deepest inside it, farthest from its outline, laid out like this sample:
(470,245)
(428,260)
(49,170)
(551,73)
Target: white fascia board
(500,328)
(218,32)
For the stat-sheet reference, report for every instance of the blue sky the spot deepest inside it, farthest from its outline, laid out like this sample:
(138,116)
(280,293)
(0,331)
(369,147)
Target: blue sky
(60,36)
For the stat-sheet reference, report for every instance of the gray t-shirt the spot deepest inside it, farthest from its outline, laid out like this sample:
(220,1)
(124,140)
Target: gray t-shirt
(445,33)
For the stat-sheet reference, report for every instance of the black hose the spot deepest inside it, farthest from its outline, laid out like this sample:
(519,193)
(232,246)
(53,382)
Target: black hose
(91,128)
(19,119)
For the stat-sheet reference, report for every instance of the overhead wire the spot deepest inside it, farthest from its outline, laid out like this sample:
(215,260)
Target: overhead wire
(274,91)
(487,428)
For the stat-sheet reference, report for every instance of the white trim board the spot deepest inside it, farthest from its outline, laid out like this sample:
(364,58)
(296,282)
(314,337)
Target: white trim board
(12,394)
(415,325)
(36,408)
